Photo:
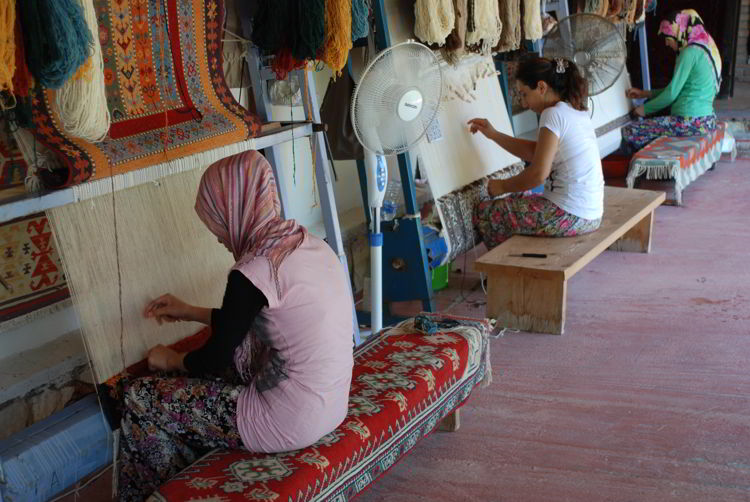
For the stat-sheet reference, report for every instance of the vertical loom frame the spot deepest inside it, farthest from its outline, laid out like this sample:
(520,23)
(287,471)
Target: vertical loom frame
(259,76)
(404,241)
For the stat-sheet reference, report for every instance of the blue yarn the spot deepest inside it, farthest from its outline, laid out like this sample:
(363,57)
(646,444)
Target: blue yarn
(360,22)
(57,39)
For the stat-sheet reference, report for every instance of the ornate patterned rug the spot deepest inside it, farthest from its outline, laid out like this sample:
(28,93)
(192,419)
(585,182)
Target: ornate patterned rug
(32,281)
(165,91)
(404,382)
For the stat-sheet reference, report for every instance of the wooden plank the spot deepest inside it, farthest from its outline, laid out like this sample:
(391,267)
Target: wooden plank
(638,238)
(522,300)
(451,422)
(623,209)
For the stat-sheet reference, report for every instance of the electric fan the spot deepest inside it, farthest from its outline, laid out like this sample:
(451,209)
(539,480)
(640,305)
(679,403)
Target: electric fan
(594,44)
(396,99)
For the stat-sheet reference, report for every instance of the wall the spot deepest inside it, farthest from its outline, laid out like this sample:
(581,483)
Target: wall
(742,71)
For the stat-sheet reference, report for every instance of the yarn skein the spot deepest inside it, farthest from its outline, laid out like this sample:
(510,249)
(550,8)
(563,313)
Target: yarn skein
(360,19)
(487,25)
(7,49)
(338,38)
(57,39)
(82,100)
(434,20)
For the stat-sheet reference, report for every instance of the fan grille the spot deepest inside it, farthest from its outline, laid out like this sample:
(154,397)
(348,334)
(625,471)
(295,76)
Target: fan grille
(594,44)
(408,66)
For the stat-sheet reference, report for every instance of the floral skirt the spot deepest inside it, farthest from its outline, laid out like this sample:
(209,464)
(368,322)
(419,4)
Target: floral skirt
(526,214)
(167,424)
(640,133)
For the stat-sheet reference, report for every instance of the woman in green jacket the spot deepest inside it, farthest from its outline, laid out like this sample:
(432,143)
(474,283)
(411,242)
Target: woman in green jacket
(695,83)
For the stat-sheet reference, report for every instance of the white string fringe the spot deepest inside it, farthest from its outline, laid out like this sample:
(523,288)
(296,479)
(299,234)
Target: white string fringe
(82,101)
(434,21)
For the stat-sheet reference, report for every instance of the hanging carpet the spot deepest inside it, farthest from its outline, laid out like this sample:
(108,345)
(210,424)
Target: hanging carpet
(165,91)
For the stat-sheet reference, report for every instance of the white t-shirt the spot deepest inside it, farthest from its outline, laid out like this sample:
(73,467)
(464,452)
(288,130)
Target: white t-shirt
(576,182)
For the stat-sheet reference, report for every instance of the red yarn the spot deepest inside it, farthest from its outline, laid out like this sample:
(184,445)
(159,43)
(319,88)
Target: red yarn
(284,62)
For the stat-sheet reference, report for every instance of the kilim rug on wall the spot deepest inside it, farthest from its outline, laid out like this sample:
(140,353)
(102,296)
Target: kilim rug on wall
(32,279)
(165,91)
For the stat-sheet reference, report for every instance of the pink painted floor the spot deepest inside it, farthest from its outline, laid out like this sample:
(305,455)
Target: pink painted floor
(645,398)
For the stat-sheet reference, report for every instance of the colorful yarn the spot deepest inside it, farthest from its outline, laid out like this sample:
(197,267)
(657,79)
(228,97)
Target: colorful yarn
(338,38)
(7,50)
(57,39)
(284,62)
(360,19)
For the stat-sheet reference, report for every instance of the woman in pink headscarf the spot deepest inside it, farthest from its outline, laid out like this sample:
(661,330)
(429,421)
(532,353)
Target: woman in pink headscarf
(285,325)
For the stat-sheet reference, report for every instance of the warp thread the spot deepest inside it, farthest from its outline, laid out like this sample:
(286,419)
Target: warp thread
(57,39)
(82,101)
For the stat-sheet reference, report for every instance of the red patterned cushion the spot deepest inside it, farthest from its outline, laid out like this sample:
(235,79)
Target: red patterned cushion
(404,382)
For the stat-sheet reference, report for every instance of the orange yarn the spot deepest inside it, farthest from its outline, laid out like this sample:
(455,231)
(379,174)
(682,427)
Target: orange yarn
(338,38)
(8,48)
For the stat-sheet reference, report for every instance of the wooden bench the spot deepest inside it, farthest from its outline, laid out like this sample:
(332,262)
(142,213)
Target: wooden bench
(530,293)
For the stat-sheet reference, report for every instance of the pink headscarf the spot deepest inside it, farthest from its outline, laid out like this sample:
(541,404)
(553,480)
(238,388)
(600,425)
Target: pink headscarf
(237,201)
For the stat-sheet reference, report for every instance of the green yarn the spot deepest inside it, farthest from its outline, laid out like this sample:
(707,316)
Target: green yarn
(310,33)
(360,19)
(296,25)
(56,38)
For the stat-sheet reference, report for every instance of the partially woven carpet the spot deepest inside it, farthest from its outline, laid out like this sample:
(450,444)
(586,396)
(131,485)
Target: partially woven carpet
(165,91)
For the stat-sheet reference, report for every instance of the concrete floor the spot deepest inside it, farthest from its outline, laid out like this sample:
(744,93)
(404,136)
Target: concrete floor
(645,398)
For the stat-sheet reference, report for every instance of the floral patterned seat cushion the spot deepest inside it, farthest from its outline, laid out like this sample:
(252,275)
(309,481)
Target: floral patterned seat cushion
(404,382)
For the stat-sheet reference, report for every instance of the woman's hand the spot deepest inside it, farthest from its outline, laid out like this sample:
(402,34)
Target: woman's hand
(483,126)
(161,358)
(640,111)
(168,308)
(635,93)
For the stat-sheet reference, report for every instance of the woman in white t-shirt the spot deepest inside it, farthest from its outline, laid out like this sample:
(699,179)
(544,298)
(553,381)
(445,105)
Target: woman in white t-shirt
(565,158)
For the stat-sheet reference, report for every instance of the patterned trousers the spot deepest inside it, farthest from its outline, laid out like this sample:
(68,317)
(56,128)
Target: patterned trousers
(640,133)
(167,424)
(526,214)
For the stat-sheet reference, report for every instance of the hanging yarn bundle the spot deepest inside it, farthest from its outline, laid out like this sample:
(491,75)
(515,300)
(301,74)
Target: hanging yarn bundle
(434,20)
(532,20)
(57,39)
(455,43)
(292,30)
(338,38)
(82,101)
(510,16)
(7,52)
(360,19)
(487,25)
(310,34)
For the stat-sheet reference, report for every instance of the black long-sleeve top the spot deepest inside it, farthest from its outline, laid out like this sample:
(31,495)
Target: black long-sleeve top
(229,326)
